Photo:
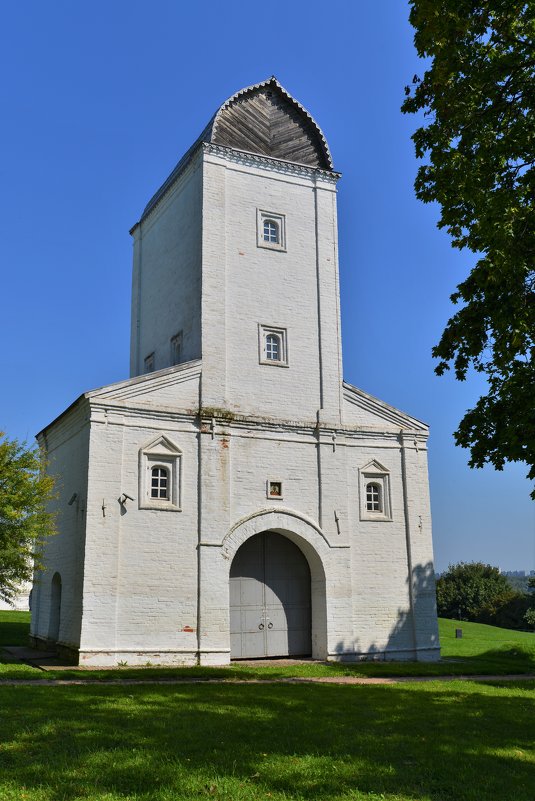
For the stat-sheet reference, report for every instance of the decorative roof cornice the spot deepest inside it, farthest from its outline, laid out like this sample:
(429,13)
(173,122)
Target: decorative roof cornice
(269,162)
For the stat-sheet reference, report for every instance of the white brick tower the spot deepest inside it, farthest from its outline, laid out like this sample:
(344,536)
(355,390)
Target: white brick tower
(205,270)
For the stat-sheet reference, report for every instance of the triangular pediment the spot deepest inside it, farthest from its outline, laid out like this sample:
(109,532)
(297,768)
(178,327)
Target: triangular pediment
(176,386)
(365,410)
(374,466)
(161,446)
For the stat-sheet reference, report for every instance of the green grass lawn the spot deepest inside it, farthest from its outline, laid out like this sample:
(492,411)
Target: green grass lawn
(14,628)
(482,649)
(437,741)
(433,742)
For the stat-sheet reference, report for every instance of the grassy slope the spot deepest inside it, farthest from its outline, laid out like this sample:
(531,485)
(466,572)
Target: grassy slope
(14,628)
(432,742)
(482,649)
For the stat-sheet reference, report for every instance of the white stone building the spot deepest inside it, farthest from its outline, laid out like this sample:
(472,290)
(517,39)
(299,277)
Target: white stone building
(235,497)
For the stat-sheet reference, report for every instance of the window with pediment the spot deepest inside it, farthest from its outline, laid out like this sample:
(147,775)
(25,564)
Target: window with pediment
(160,475)
(374,491)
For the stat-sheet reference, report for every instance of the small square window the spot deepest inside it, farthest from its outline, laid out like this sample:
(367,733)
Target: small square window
(149,363)
(274,490)
(271,230)
(176,348)
(272,346)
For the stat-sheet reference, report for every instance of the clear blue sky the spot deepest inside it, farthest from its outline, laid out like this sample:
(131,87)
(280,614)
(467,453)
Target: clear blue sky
(100,99)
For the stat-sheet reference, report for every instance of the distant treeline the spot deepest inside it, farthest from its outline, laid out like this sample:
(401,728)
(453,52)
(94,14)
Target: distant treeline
(480,593)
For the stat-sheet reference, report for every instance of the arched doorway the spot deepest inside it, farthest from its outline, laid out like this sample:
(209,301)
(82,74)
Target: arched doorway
(270,611)
(55,608)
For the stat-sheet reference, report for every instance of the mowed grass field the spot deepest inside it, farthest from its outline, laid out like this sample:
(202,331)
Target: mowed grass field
(438,741)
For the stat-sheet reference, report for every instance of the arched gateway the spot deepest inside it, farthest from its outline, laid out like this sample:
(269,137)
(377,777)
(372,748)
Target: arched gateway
(270,605)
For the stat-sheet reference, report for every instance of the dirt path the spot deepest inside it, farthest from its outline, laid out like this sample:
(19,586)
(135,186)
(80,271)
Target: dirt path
(294,680)
(49,661)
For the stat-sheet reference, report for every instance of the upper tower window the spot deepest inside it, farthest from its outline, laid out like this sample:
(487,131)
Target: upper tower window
(271,230)
(272,345)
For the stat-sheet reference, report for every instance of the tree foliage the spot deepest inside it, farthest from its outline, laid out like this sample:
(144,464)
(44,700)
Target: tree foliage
(466,589)
(529,618)
(24,519)
(478,147)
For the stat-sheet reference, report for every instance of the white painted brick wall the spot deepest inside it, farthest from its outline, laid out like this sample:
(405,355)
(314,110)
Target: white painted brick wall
(67,447)
(245,285)
(166,281)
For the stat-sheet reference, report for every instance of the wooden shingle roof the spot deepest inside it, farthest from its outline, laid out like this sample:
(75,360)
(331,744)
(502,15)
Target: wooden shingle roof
(267,120)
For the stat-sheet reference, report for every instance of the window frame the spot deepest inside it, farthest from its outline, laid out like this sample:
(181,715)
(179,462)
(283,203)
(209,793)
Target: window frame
(378,475)
(277,219)
(176,346)
(149,363)
(273,497)
(271,231)
(161,453)
(265,331)
(159,486)
(374,497)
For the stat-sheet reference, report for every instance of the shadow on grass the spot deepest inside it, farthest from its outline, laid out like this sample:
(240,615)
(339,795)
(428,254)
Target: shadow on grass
(14,628)
(448,742)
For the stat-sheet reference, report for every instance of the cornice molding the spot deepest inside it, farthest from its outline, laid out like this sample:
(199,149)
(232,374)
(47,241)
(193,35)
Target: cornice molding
(247,159)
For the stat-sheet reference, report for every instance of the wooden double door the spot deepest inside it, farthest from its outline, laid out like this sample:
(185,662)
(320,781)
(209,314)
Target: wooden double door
(269,599)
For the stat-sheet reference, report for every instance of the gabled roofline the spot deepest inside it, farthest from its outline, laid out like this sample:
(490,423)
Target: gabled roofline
(146,378)
(128,382)
(376,405)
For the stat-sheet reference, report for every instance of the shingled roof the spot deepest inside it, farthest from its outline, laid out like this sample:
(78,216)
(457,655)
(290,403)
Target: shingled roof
(263,119)
(266,119)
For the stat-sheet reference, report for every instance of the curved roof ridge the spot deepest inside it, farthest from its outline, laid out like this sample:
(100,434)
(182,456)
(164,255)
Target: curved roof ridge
(274,82)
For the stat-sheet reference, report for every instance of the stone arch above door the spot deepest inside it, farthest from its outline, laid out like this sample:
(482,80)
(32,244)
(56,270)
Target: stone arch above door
(303,531)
